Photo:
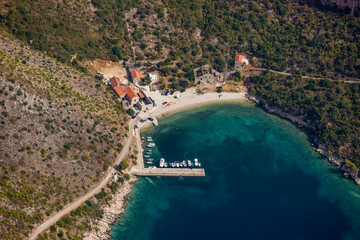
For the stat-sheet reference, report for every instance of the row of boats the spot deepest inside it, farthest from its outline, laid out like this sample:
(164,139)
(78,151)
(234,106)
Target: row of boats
(163,163)
(180,164)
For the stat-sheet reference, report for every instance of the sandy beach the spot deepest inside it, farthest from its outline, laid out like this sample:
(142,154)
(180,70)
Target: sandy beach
(188,99)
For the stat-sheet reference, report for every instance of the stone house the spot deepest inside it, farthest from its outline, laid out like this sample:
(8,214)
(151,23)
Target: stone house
(206,74)
(240,61)
(136,76)
(123,92)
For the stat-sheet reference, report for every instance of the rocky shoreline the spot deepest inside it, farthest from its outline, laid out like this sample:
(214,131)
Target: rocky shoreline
(101,227)
(320,148)
(112,212)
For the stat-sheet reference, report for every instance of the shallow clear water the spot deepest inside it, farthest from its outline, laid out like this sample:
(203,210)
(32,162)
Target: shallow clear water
(263,181)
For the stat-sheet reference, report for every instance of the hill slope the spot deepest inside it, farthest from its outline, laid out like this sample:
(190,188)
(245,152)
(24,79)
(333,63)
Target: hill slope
(59,133)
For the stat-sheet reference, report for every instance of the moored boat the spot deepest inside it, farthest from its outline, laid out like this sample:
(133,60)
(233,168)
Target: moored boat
(162,162)
(196,162)
(151,145)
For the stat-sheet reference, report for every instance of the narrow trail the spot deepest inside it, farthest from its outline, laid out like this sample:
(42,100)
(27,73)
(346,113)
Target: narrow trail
(67,209)
(129,35)
(305,76)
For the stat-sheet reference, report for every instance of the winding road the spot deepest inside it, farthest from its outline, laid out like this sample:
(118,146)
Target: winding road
(96,189)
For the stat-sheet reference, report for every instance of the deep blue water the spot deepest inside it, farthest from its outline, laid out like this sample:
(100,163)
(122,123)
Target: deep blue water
(263,181)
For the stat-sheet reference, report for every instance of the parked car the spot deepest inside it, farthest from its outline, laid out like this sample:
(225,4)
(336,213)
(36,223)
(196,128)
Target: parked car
(182,90)
(151,119)
(205,88)
(133,117)
(164,103)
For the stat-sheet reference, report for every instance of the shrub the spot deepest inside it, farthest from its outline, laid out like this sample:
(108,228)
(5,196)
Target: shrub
(124,165)
(127,176)
(130,111)
(52,228)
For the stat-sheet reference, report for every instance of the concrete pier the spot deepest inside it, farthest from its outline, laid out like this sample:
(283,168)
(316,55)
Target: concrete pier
(170,172)
(155,121)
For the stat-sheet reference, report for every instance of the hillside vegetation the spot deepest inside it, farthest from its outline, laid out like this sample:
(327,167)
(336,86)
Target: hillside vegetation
(332,106)
(61,128)
(174,37)
(59,133)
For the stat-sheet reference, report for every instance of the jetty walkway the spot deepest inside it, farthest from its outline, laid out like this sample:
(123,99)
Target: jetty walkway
(170,172)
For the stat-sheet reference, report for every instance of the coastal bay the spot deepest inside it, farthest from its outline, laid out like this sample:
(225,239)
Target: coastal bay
(263,180)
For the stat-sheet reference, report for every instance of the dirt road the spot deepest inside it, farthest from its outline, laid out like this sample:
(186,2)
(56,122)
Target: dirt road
(53,219)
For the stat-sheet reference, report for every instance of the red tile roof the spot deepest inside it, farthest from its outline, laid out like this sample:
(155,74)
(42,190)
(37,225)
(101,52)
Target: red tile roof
(141,94)
(120,90)
(238,58)
(130,92)
(136,74)
(114,81)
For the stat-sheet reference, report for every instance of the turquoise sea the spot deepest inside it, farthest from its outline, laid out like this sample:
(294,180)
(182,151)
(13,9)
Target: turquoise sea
(263,181)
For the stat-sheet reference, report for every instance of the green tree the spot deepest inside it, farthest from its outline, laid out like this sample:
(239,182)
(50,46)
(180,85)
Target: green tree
(130,111)
(124,165)
(127,176)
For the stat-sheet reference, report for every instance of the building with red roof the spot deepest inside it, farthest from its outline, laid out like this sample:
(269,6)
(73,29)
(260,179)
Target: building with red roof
(238,58)
(120,90)
(115,82)
(136,76)
(141,94)
(240,62)
(130,93)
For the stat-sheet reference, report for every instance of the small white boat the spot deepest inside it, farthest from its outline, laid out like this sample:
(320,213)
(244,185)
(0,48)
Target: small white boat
(184,163)
(162,162)
(147,156)
(166,164)
(149,162)
(151,145)
(149,139)
(199,164)
(196,162)
(177,164)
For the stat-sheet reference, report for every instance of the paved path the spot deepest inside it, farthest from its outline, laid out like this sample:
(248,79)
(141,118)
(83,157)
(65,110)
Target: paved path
(53,219)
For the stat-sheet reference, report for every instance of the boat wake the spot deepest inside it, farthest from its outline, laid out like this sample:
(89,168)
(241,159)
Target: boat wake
(151,181)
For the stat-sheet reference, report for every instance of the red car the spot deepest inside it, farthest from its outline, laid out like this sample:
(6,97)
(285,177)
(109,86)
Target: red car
(165,103)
